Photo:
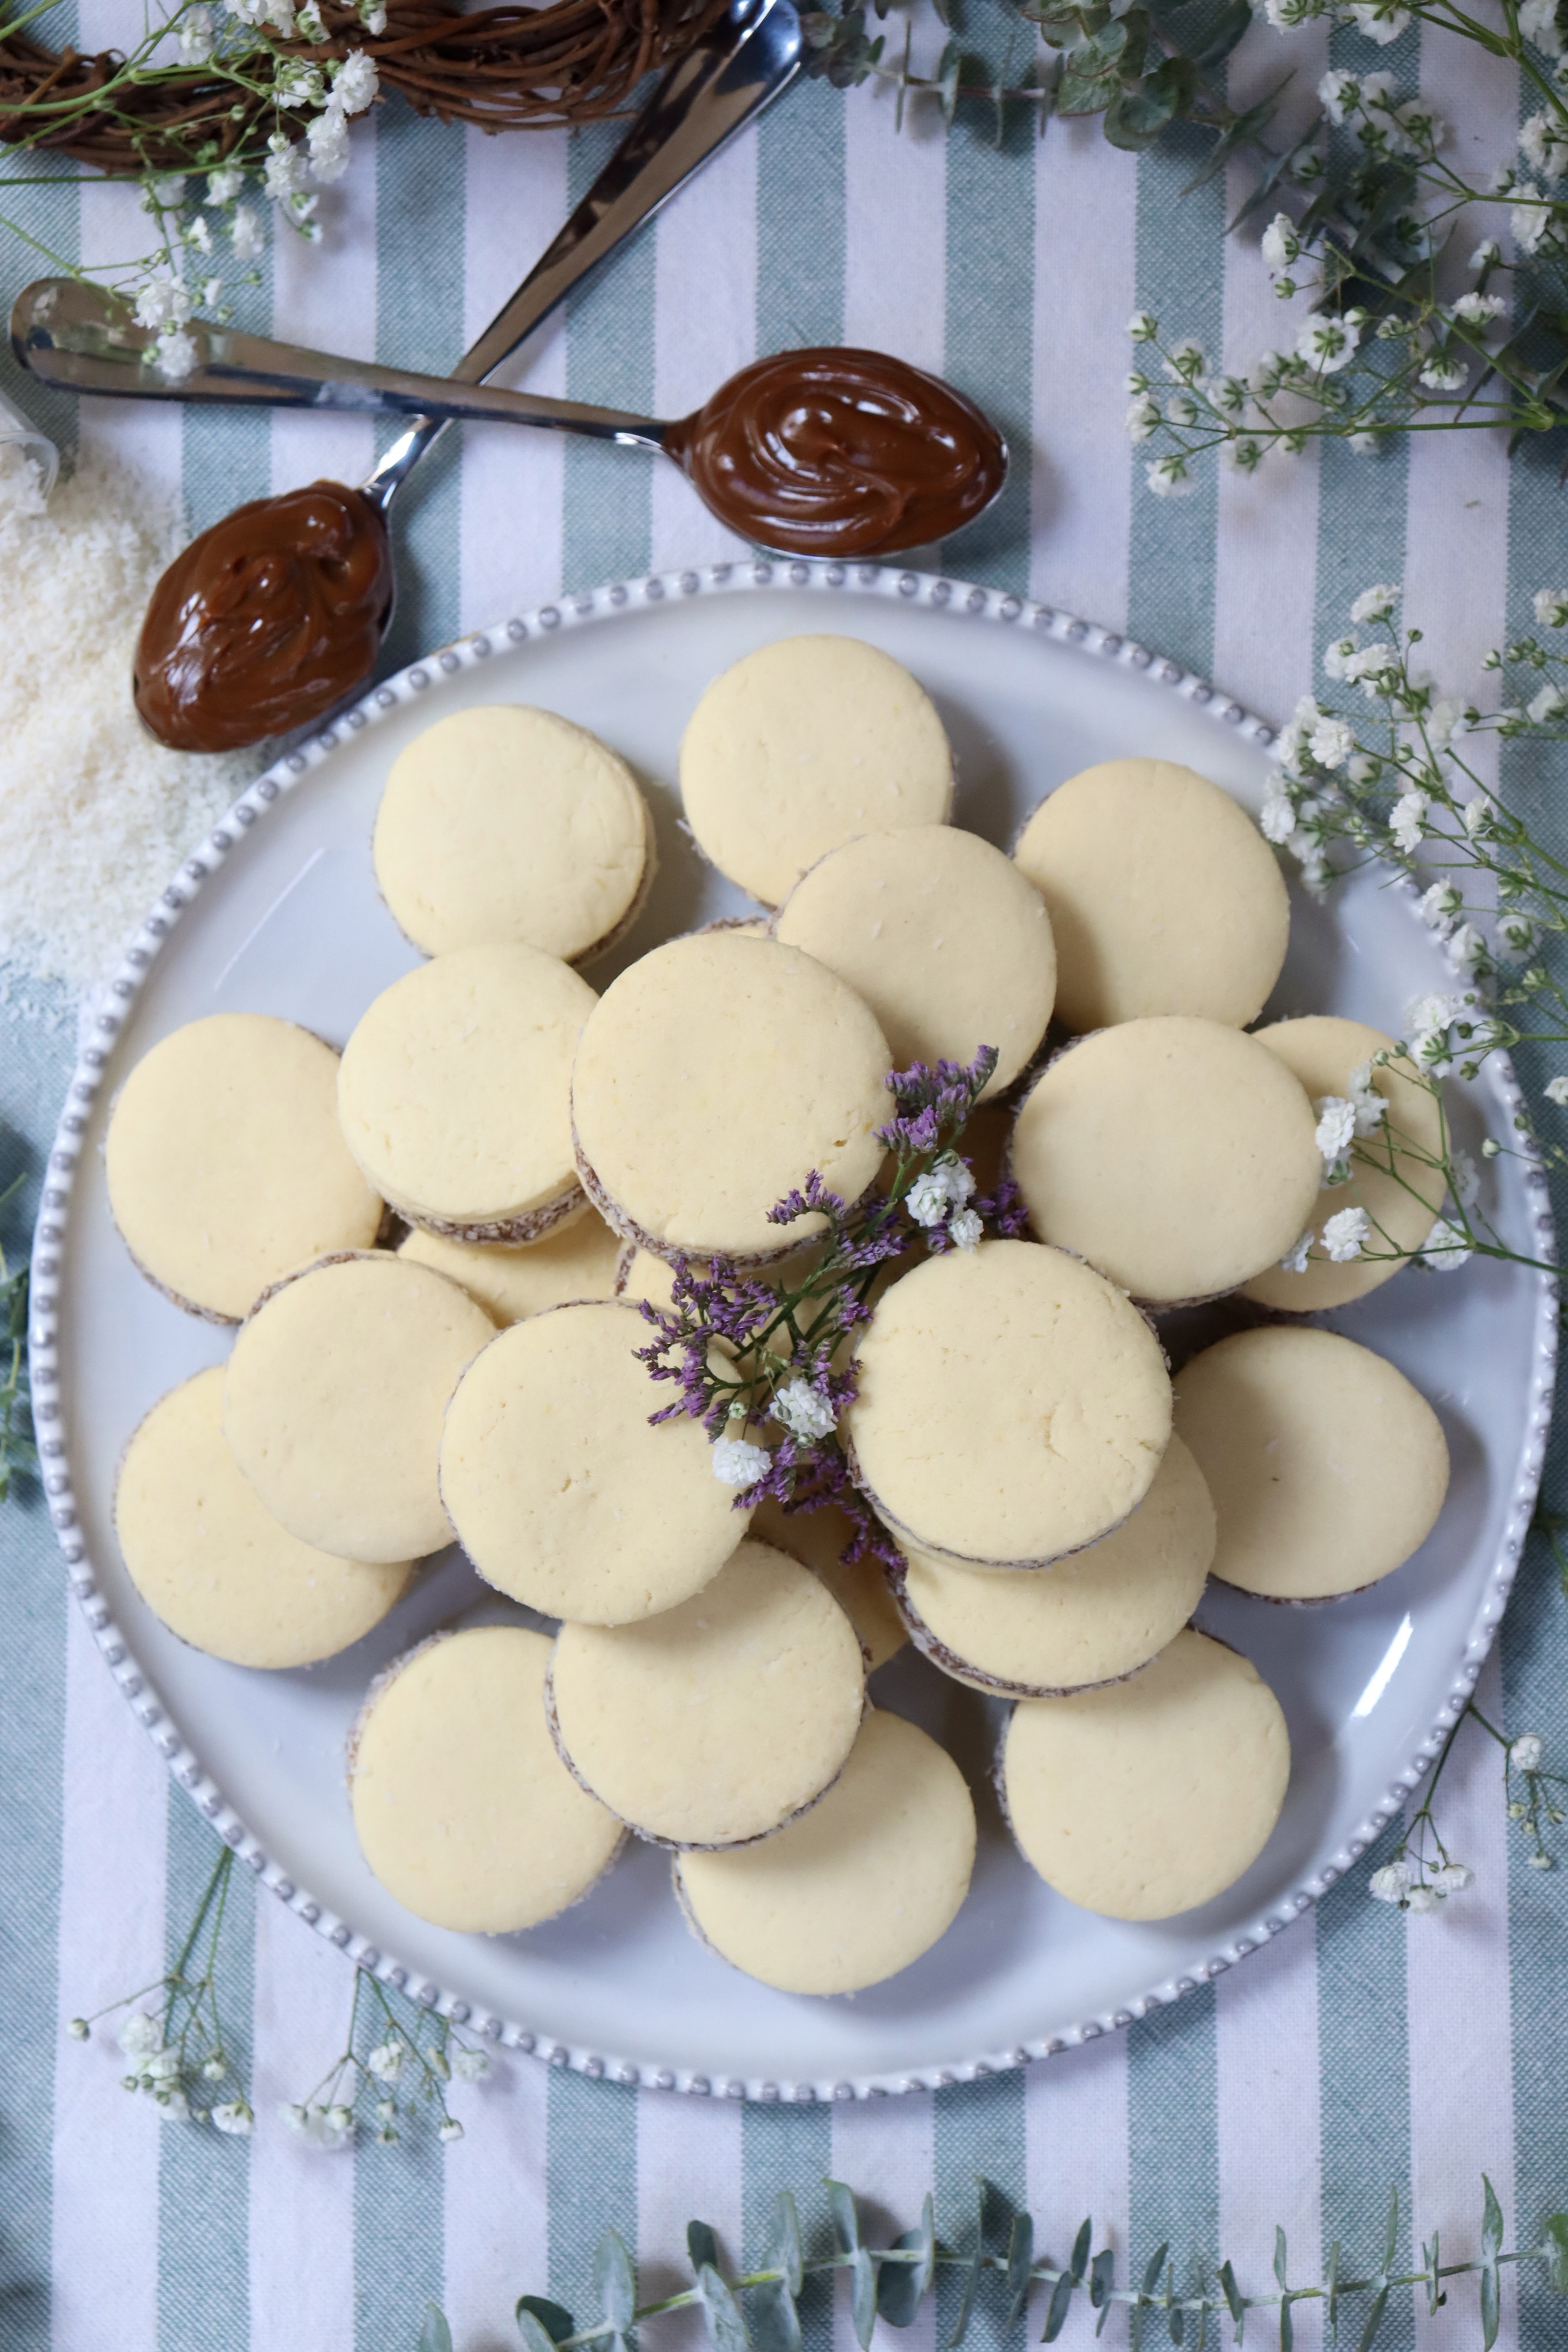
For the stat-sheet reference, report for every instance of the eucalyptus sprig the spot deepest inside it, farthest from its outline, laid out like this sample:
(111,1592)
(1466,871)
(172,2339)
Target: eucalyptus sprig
(772,1357)
(19,1453)
(758,2311)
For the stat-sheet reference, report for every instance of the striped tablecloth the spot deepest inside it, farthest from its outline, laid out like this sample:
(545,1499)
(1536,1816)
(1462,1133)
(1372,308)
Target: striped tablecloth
(1357,2054)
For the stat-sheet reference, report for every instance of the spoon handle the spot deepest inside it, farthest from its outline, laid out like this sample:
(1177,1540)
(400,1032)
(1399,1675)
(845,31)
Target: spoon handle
(753,53)
(78,337)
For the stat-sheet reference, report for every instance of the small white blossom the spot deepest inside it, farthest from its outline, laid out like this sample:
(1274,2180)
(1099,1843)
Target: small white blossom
(1487,255)
(173,2106)
(198,235)
(372,16)
(1330,743)
(175,354)
(1516,932)
(803,1412)
(139,2036)
(197,37)
(297,2118)
(964,1229)
(327,141)
(355,83)
(1453,1878)
(1421,1900)
(1277,820)
(161,300)
(1371,1109)
(1480,310)
(1366,445)
(1466,946)
(1477,816)
(1282,246)
(1337,655)
(1439,905)
(1557,1092)
(1379,21)
(1443,374)
(80,2029)
(386,2061)
(1142,419)
(1444,722)
(299,84)
(1141,327)
(1538,23)
(947,1184)
(1339,92)
(247,233)
(1346,1234)
(1374,604)
(450,2130)
(1526,1752)
(1407,819)
(1547,705)
(223,186)
(1445,1248)
(285,173)
(1465,1178)
(1329,344)
(1391,1884)
(736,1463)
(234,2118)
(1295,1260)
(1335,1134)
(1529,222)
(470,2065)
(1544,146)
(1169,477)
(1552,608)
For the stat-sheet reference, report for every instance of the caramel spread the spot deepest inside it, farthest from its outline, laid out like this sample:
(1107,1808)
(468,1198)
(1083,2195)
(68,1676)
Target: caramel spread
(839,452)
(266,620)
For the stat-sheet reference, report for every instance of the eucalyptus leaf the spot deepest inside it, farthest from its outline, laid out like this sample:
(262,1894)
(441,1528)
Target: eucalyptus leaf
(1368,2336)
(901,2286)
(726,2326)
(701,2246)
(434,2336)
(535,2334)
(1555,2245)
(1020,2255)
(553,2317)
(775,2321)
(783,2247)
(1233,2298)
(863,2295)
(1101,2278)
(970,2278)
(614,2283)
(845,2219)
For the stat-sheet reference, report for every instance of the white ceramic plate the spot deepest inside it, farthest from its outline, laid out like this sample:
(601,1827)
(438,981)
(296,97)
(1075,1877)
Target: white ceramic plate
(279,913)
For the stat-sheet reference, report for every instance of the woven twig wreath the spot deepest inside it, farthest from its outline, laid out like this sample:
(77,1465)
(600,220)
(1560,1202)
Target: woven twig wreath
(506,68)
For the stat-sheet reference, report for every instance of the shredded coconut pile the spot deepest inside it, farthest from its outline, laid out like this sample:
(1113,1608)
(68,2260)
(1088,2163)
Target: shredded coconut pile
(94,815)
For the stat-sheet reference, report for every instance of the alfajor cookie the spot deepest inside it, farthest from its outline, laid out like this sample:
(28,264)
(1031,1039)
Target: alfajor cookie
(718,1721)
(506,823)
(1091,1619)
(333,1397)
(455,1093)
(1145,1798)
(226,1166)
(463,1809)
(711,1078)
(1163,895)
(1013,1406)
(855,1889)
(213,1563)
(579,1260)
(1326,1468)
(818,1539)
(563,1492)
(1178,1156)
(942,935)
(800,746)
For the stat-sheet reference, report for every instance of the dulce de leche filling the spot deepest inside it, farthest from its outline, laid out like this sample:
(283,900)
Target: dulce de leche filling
(266,620)
(840,453)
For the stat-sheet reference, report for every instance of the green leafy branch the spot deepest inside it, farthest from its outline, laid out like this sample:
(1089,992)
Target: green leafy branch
(759,2310)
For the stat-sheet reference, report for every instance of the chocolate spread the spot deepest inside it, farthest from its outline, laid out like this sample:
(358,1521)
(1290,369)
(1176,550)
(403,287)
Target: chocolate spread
(266,620)
(839,452)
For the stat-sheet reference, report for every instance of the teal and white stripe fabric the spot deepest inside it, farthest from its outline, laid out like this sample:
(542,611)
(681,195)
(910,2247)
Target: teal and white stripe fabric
(1358,2053)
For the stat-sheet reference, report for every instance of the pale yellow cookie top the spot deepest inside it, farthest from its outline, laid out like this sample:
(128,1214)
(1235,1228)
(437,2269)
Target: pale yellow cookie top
(1013,1405)
(1163,895)
(1100,1614)
(817,1539)
(506,823)
(1326,1468)
(464,1810)
(563,1492)
(1178,1156)
(575,1260)
(948,943)
(800,746)
(719,1720)
(1391,1177)
(333,1398)
(226,1163)
(711,1078)
(855,1889)
(455,1090)
(210,1560)
(1145,1798)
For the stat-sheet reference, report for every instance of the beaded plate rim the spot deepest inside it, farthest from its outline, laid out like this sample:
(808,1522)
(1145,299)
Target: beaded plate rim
(101,1026)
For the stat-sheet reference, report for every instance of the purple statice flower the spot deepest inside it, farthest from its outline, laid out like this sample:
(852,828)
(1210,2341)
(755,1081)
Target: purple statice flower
(798,1203)
(1005,1209)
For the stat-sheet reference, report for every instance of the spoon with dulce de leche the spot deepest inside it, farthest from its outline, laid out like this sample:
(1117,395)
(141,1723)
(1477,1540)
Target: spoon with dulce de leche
(270,617)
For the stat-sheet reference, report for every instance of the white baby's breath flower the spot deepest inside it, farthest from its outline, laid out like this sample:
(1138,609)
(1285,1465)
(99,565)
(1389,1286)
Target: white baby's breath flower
(246,234)
(1335,1134)
(1445,1249)
(1346,1234)
(927,1198)
(386,2061)
(736,1463)
(296,2116)
(1185,363)
(372,16)
(356,82)
(1466,946)
(1528,223)
(1544,146)
(1141,327)
(1170,478)
(138,2035)
(197,37)
(1142,419)
(1557,1092)
(328,140)
(1549,704)
(1370,1108)
(1443,374)
(1453,1878)
(470,2065)
(1329,344)
(1480,310)
(1295,1259)
(1330,743)
(1487,255)
(450,2130)
(1407,819)
(1379,21)
(161,300)
(964,1229)
(1277,819)
(234,2118)
(1465,1178)
(1337,655)
(1526,1752)
(1440,902)
(1341,93)
(1444,722)
(1374,604)
(1282,246)
(1516,932)
(1364,445)
(1422,1901)
(1538,23)
(173,2106)
(1391,1884)
(175,354)
(299,84)
(285,173)
(225,184)
(803,1412)
(1550,608)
